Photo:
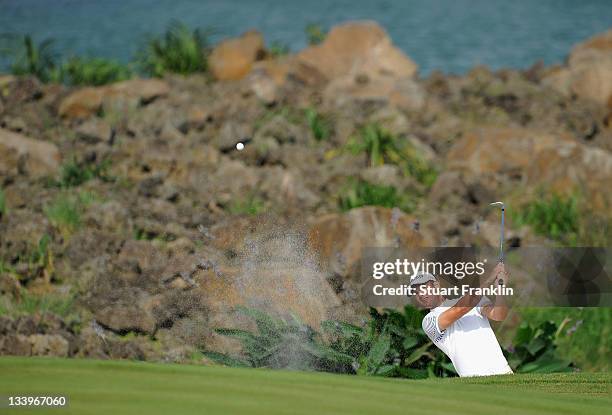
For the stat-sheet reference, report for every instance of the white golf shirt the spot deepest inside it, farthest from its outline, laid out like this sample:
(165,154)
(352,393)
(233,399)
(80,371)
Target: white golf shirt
(469,342)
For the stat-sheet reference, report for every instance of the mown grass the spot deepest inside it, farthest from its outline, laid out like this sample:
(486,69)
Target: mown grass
(133,387)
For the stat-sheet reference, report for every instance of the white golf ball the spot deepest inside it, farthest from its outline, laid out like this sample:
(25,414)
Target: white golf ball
(239,146)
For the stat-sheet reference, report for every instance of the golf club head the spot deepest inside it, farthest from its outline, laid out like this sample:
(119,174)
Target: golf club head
(501,204)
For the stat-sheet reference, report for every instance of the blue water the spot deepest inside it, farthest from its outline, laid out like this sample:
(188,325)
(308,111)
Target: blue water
(449,35)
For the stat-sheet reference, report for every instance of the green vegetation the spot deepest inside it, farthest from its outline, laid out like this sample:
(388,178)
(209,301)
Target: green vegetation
(179,50)
(584,334)
(28,57)
(138,387)
(278,48)
(565,219)
(251,205)
(390,344)
(381,146)
(319,125)
(315,34)
(75,173)
(362,193)
(91,71)
(555,217)
(277,344)
(3,208)
(534,350)
(66,209)
(29,304)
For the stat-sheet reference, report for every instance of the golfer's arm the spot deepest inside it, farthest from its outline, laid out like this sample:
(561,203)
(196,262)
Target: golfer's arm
(461,308)
(498,311)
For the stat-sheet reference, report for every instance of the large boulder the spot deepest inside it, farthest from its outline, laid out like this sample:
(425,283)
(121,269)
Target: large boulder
(234,58)
(21,154)
(339,238)
(589,71)
(357,48)
(515,156)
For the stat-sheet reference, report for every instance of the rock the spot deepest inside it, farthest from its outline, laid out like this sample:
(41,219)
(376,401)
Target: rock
(48,345)
(82,103)
(403,93)
(357,48)
(94,131)
(121,97)
(231,133)
(23,155)
(132,311)
(513,156)
(385,175)
(233,59)
(589,71)
(263,86)
(339,238)
(15,345)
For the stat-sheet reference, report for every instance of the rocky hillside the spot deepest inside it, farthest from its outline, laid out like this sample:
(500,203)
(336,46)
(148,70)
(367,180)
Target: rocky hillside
(130,225)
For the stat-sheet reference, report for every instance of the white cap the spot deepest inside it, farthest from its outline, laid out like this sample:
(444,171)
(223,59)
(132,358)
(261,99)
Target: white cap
(422,278)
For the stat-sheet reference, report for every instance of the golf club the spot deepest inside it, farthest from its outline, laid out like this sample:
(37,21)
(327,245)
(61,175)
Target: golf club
(501,238)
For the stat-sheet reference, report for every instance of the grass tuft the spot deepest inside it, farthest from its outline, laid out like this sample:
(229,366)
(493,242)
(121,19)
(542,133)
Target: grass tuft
(179,50)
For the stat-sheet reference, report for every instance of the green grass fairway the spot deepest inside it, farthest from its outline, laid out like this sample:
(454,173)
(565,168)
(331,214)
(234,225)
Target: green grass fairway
(107,387)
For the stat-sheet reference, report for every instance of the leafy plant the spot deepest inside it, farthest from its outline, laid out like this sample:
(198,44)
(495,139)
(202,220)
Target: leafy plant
(66,209)
(362,193)
(276,343)
(28,57)
(74,173)
(315,33)
(391,344)
(179,50)
(3,208)
(251,205)
(91,71)
(319,126)
(381,146)
(534,350)
(556,217)
(278,48)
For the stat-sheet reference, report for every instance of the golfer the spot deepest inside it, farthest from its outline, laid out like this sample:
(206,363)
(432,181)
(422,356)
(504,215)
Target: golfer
(460,327)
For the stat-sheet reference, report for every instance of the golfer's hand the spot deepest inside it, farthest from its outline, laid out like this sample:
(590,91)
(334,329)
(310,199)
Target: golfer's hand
(499,272)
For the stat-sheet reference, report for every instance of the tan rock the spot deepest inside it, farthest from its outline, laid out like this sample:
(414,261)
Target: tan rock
(589,71)
(339,238)
(233,58)
(48,345)
(82,103)
(21,154)
(357,48)
(516,156)
(121,96)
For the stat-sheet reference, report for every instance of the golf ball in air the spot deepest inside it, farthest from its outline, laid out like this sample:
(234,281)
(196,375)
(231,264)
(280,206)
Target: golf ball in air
(239,146)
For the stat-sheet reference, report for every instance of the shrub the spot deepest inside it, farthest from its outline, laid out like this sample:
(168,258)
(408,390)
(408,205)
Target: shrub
(315,34)
(28,57)
(251,205)
(381,146)
(319,126)
(3,208)
(66,209)
(74,173)
(179,50)
(361,193)
(555,217)
(276,343)
(534,350)
(92,71)
(278,48)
